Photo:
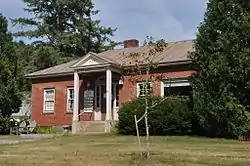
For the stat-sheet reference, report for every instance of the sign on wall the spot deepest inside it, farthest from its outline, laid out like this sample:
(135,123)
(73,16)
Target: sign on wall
(88,100)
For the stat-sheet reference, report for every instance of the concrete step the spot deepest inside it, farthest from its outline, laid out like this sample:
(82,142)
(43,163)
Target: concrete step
(92,126)
(95,127)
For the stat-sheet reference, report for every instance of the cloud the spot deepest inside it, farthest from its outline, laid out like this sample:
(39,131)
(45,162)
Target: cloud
(168,19)
(171,20)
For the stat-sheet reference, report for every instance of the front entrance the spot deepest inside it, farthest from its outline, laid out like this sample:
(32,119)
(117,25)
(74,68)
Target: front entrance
(100,100)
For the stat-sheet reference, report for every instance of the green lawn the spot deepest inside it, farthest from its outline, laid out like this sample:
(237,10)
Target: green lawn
(104,150)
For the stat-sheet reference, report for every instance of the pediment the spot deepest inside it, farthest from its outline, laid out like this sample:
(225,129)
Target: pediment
(91,59)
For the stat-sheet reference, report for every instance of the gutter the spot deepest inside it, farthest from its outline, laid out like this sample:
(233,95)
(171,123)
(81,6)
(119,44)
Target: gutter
(175,63)
(165,64)
(183,62)
(48,75)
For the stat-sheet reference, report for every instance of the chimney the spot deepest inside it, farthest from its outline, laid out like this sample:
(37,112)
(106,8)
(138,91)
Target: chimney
(131,43)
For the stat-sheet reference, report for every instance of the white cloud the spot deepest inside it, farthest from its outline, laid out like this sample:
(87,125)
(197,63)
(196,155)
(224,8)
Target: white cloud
(171,20)
(168,19)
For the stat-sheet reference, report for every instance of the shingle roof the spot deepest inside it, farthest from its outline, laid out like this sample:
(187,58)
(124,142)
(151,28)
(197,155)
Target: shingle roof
(174,52)
(62,69)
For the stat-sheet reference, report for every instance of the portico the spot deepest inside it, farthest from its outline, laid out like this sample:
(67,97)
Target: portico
(103,93)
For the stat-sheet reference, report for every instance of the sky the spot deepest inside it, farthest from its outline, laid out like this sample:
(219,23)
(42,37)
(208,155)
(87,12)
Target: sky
(171,20)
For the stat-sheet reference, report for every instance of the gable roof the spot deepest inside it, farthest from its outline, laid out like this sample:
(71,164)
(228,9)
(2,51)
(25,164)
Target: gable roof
(92,59)
(62,69)
(175,52)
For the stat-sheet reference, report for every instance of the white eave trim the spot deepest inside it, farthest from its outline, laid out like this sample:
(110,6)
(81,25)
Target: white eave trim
(92,66)
(50,75)
(87,56)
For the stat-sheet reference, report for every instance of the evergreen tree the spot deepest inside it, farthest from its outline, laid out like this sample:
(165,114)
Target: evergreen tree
(222,62)
(68,25)
(11,77)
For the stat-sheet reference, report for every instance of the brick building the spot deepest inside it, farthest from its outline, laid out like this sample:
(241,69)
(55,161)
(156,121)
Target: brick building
(91,89)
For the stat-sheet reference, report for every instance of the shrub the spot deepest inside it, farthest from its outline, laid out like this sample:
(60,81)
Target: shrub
(169,117)
(5,124)
(126,114)
(44,130)
(220,115)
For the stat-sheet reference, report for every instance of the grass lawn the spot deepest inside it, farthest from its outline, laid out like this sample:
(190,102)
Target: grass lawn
(105,150)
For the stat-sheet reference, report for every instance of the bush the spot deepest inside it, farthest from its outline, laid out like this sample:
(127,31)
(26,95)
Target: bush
(126,114)
(223,116)
(5,124)
(170,117)
(44,130)
(220,115)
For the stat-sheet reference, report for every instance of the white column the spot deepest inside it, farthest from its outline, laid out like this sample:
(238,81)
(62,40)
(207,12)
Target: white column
(162,89)
(75,118)
(108,94)
(115,109)
(98,114)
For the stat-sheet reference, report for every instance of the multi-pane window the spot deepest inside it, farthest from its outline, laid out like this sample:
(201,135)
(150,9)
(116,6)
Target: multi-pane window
(49,100)
(144,89)
(70,99)
(180,87)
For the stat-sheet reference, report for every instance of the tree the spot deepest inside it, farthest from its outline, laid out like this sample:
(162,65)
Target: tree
(11,77)
(222,61)
(26,55)
(140,67)
(67,25)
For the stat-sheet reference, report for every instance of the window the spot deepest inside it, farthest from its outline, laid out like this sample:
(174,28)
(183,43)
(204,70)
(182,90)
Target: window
(180,87)
(142,87)
(70,99)
(49,100)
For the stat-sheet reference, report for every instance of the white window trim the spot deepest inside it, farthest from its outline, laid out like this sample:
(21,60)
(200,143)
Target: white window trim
(68,95)
(173,83)
(162,89)
(114,95)
(176,83)
(44,100)
(138,88)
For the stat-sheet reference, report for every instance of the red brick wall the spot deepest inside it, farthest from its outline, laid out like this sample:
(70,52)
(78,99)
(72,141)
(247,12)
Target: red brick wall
(60,115)
(129,89)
